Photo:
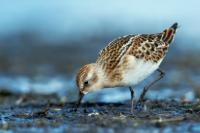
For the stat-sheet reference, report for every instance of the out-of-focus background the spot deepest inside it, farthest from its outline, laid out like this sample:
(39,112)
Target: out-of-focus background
(44,43)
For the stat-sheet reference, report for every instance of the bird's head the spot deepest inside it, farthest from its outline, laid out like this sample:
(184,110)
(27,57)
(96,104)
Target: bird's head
(88,79)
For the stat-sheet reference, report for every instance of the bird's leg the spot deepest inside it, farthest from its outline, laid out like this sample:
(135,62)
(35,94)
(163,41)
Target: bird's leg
(132,96)
(139,104)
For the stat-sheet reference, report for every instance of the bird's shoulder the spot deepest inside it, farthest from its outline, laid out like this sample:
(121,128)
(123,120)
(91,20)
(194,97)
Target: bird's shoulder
(112,50)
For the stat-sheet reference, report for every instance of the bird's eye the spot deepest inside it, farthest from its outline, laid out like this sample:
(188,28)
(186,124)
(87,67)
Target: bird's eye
(86,83)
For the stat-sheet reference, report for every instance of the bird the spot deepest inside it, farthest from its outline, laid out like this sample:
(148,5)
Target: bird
(125,62)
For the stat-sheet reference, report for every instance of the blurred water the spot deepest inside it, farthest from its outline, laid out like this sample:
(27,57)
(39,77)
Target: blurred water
(38,84)
(66,87)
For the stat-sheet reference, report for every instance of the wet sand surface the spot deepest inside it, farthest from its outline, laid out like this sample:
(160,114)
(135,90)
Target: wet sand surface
(49,114)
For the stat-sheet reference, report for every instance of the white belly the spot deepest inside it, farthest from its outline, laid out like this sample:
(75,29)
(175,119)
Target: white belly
(138,70)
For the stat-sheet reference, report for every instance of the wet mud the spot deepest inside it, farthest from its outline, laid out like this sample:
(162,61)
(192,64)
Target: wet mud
(50,114)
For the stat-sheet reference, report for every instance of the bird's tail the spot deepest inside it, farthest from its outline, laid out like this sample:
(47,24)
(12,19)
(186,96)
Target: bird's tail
(168,34)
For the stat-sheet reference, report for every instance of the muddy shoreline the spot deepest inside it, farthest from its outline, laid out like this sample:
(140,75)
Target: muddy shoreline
(49,114)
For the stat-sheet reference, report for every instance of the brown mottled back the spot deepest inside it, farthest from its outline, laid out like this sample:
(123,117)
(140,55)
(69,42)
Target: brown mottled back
(109,56)
(149,47)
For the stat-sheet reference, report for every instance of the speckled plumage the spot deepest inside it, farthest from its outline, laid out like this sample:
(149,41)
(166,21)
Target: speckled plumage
(127,60)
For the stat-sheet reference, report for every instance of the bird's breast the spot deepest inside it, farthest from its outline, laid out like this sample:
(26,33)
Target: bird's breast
(136,70)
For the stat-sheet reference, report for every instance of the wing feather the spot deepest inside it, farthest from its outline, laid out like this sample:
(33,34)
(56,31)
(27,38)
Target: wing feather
(110,56)
(144,46)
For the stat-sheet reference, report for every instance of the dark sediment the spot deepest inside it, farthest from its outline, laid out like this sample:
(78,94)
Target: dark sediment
(48,114)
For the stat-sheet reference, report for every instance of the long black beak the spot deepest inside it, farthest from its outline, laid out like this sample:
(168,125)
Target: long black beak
(79,100)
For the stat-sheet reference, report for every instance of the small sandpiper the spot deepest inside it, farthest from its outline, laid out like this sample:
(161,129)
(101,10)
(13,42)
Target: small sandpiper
(125,62)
